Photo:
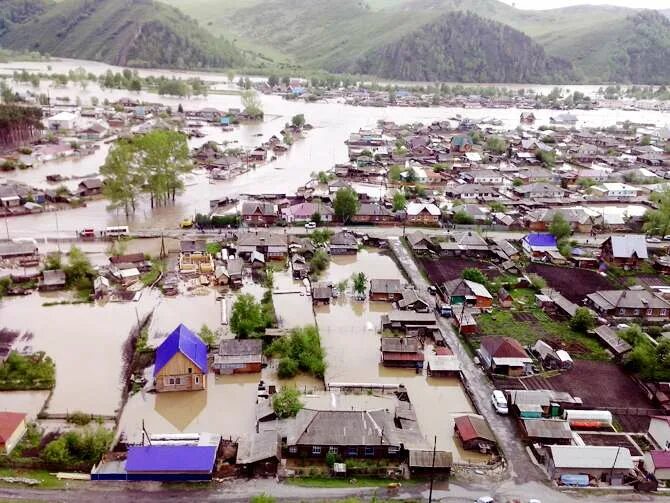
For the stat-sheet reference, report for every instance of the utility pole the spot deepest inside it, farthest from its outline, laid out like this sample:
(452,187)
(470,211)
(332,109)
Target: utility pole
(7,227)
(432,471)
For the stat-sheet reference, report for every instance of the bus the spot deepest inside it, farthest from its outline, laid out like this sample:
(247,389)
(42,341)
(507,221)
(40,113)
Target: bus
(117,231)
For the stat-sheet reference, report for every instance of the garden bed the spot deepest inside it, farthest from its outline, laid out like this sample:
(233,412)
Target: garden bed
(573,283)
(448,268)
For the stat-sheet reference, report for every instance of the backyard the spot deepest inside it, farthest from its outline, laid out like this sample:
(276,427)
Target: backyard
(573,283)
(446,269)
(527,323)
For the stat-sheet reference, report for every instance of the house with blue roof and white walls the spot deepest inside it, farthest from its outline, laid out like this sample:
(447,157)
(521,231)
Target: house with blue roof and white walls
(181,362)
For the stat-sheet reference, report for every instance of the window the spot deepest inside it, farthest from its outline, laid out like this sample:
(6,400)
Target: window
(636,312)
(621,310)
(334,450)
(177,380)
(352,451)
(316,450)
(650,312)
(190,370)
(369,451)
(293,449)
(171,380)
(197,379)
(393,450)
(664,312)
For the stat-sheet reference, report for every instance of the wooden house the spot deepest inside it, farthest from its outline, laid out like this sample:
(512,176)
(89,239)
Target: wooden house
(504,355)
(322,292)
(505,298)
(239,356)
(259,213)
(626,250)
(181,362)
(471,293)
(343,243)
(401,352)
(52,280)
(12,428)
(474,432)
(444,363)
(385,290)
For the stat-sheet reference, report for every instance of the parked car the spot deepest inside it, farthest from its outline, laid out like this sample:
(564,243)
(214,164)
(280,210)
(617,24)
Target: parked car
(666,237)
(310,225)
(499,402)
(653,240)
(187,223)
(432,290)
(485,499)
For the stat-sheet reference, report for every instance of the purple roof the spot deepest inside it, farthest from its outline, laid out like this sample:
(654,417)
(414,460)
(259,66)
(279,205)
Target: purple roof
(541,239)
(183,341)
(171,458)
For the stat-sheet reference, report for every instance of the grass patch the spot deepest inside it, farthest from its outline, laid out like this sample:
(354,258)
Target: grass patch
(46,479)
(338,483)
(67,302)
(502,322)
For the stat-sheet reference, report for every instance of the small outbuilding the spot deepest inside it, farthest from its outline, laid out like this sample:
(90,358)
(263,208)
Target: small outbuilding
(474,432)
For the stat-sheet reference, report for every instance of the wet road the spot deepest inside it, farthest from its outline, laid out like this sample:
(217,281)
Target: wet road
(242,490)
(521,468)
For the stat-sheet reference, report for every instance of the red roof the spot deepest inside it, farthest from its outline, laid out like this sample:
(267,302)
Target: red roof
(443,351)
(661,459)
(465,428)
(9,422)
(503,347)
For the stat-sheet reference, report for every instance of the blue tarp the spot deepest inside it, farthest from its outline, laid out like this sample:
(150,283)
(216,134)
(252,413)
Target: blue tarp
(575,480)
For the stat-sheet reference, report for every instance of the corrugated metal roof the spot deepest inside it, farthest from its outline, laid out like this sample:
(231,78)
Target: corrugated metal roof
(182,340)
(570,456)
(168,458)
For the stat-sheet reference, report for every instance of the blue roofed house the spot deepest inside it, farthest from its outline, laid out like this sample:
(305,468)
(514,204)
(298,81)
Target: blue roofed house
(171,462)
(181,362)
(539,245)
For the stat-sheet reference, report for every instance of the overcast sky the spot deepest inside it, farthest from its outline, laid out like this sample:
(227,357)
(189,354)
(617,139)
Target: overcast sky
(551,4)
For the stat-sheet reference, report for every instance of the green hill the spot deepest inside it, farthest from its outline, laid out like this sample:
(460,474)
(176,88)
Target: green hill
(123,32)
(334,34)
(492,52)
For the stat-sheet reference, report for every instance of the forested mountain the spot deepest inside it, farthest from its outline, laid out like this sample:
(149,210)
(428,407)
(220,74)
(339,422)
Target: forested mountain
(407,39)
(13,12)
(334,34)
(491,52)
(123,32)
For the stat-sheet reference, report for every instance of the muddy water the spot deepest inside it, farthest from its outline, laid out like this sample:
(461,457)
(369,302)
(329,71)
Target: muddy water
(292,309)
(85,341)
(227,406)
(350,334)
(27,402)
(319,150)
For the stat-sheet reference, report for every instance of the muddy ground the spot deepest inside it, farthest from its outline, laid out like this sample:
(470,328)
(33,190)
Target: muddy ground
(574,284)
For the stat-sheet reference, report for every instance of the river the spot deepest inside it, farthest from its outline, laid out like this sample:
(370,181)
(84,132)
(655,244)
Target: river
(320,149)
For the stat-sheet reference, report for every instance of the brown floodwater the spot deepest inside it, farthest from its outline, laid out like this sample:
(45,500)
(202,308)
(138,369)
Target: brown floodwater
(321,148)
(227,406)
(85,341)
(27,402)
(350,335)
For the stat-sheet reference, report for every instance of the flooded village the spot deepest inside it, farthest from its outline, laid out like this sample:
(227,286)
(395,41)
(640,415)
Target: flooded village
(250,282)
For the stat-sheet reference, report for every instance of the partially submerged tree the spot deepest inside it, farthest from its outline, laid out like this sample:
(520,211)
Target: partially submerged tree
(248,319)
(360,283)
(287,403)
(345,204)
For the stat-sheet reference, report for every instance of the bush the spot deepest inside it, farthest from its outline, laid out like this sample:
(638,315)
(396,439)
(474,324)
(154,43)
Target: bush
(287,368)
(299,351)
(463,218)
(538,282)
(78,447)
(472,274)
(21,372)
(262,498)
(583,320)
(287,403)
(319,262)
(249,318)
(79,418)
(331,458)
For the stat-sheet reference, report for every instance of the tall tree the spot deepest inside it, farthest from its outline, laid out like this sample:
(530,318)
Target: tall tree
(345,203)
(252,104)
(122,180)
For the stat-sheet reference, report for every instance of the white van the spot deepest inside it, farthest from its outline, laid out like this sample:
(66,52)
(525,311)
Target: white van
(499,402)
(117,231)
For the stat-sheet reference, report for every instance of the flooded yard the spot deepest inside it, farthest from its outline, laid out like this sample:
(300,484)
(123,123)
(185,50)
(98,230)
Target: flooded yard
(350,335)
(27,402)
(86,343)
(227,406)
